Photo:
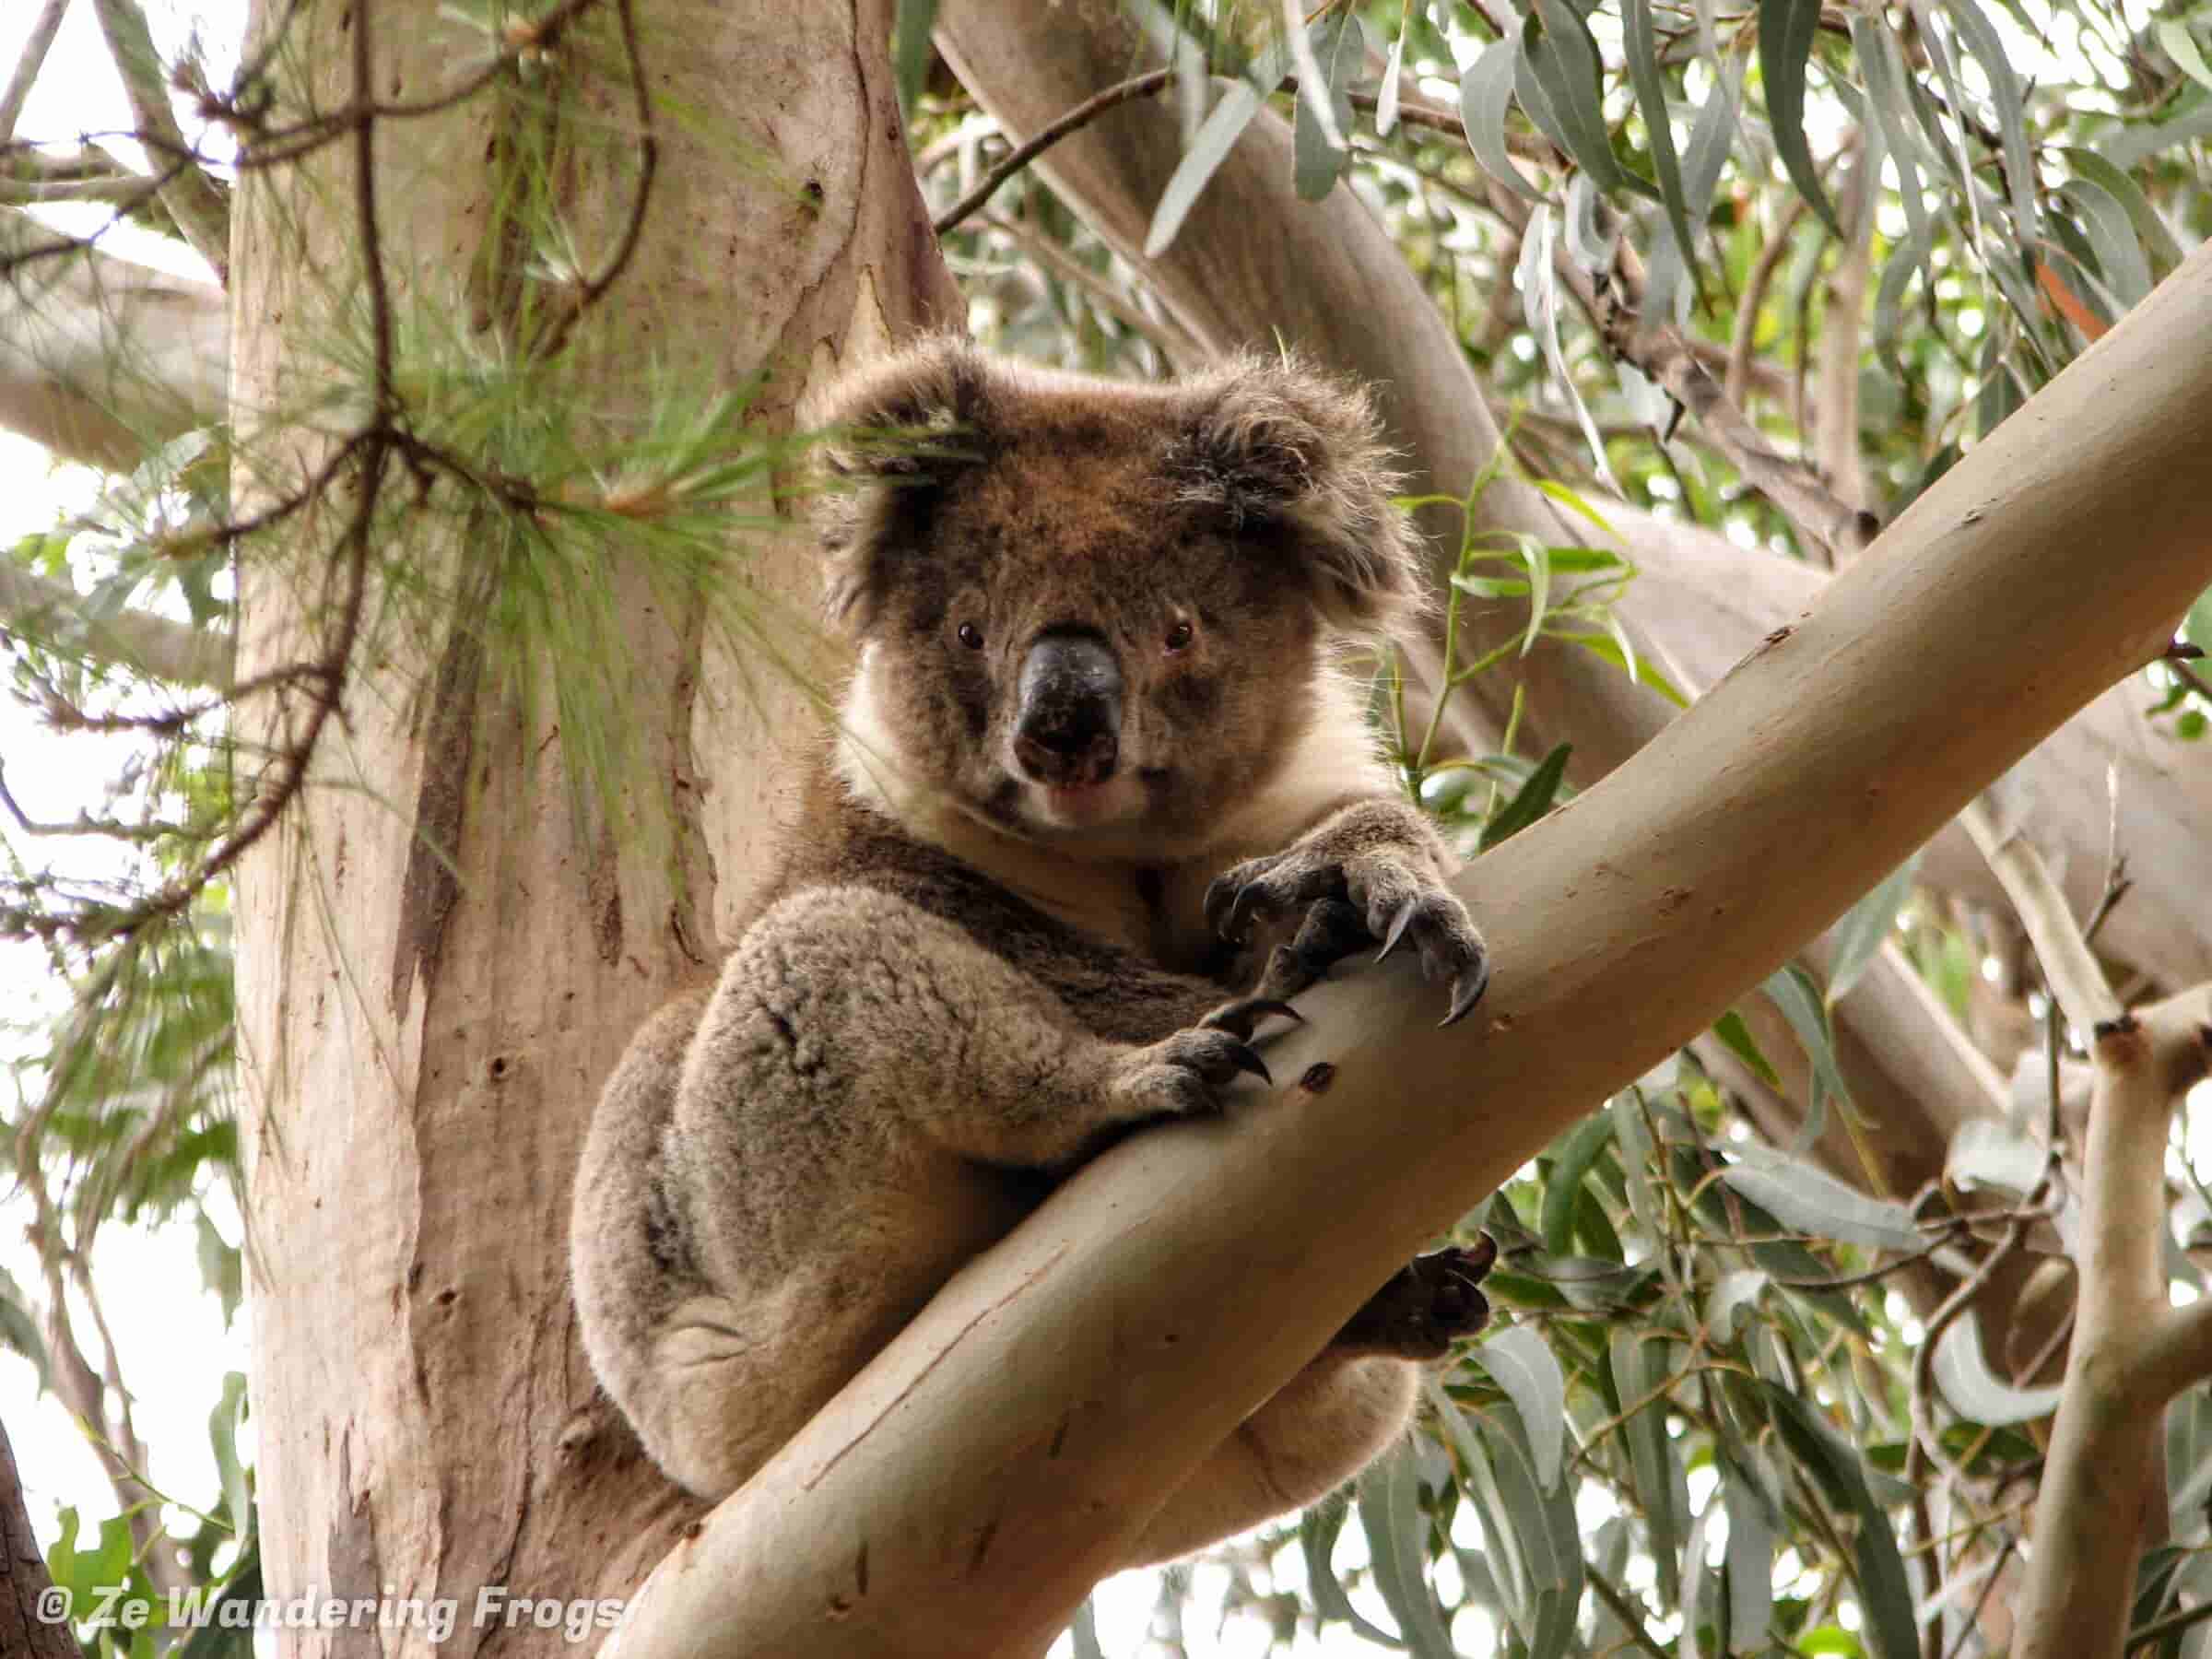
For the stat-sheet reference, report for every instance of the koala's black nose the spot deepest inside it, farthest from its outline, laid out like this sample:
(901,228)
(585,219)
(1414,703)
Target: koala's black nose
(1068,725)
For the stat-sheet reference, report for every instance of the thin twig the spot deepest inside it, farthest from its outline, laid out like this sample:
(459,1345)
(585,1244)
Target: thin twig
(199,207)
(35,46)
(1754,301)
(1082,115)
(648,162)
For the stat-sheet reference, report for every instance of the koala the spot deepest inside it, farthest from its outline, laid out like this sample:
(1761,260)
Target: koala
(1101,800)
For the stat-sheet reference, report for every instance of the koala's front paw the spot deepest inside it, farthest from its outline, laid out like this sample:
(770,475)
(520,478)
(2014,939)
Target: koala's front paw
(1185,1073)
(1366,875)
(1429,1303)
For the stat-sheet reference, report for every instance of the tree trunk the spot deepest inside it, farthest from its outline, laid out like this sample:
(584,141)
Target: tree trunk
(425,1042)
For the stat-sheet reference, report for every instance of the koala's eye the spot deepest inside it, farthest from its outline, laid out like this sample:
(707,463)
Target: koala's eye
(971,636)
(1179,636)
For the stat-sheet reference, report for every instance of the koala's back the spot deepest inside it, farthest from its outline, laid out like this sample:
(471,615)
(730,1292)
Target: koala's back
(771,1196)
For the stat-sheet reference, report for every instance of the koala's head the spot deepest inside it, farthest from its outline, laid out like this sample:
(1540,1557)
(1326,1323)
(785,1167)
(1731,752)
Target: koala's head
(1099,613)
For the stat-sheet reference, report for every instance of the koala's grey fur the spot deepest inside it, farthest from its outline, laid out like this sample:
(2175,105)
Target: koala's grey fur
(969,974)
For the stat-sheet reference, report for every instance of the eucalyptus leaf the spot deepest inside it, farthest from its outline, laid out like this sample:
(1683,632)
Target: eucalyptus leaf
(1640,38)
(1809,1200)
(910,47)
(1983,42)
(1485,90)
(1320,149)
(1386,101)
(1750,1566)
(1521,1364)
(1576,1152)
(1786,31)
(1977,1393)
(2151,233)
(1531,802)
(2111,236)
(1559,85)
(1638,1377)
(1317,1530)
(1885,1594)
(1397,1533)
(1216,135)
(1866,926)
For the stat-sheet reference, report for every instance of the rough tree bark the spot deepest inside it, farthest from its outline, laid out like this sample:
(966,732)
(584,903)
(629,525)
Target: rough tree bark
(965,1490)
(423,1049)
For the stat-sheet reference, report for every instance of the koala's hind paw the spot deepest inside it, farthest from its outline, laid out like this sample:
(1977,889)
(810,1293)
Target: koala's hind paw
(1428,1304)
(1357,887)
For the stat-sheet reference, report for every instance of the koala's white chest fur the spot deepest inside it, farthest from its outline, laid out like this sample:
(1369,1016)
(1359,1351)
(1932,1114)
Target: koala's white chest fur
(1151,907)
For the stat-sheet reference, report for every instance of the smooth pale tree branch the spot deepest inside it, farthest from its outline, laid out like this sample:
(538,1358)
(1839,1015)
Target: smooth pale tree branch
(2131,1350)
(194,200)
(964,1492)
(173,652)
(99,357)
(32,58)
(2069,966)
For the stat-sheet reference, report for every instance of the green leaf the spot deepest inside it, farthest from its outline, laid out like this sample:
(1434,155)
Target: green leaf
(1559,87)
(1750,1564)
(222,1436)
(1579,1150)
(1485,90)
(20,1328)
(1640,41)
(1216,135)
(1885,1594)
(1786,31)
(1734,1298)
(221,1267)
(1791,990)
(1808,1200)
(1977,1393)
(1386,101)
(1317,1530)
(1987,48)
(1519,1362)
(2181,47)
(1736,1037)
(910,48)
(1865,927)
(2151,230)
(1397,1533)
(1531,801)
(1340,48)
(1637,1376)
(2111,236)
(1874,47)
(1538,558)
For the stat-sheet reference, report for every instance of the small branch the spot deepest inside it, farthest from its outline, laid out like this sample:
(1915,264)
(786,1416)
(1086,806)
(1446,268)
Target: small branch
(200,208)
(1665,357)
(1082,115)
(2070,968)
(35,47)
(172,652)
(1836,386)
(595,288)
(1755,299)
(1178,348)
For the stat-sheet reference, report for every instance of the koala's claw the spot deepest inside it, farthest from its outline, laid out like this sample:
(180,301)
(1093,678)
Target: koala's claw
(1351,902)
(1426,1305)
(1239,1017)
(1184,1074)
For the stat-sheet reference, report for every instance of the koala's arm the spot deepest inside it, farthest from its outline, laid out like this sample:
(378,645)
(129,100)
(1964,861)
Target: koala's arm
(850,1009)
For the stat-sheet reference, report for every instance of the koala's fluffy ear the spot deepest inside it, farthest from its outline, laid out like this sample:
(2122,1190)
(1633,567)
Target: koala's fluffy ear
(895,432)
(1275,445)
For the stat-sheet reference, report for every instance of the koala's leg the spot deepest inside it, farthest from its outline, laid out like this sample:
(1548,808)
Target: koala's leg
(1319,1430)
(1326,1425)
(1374,870)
